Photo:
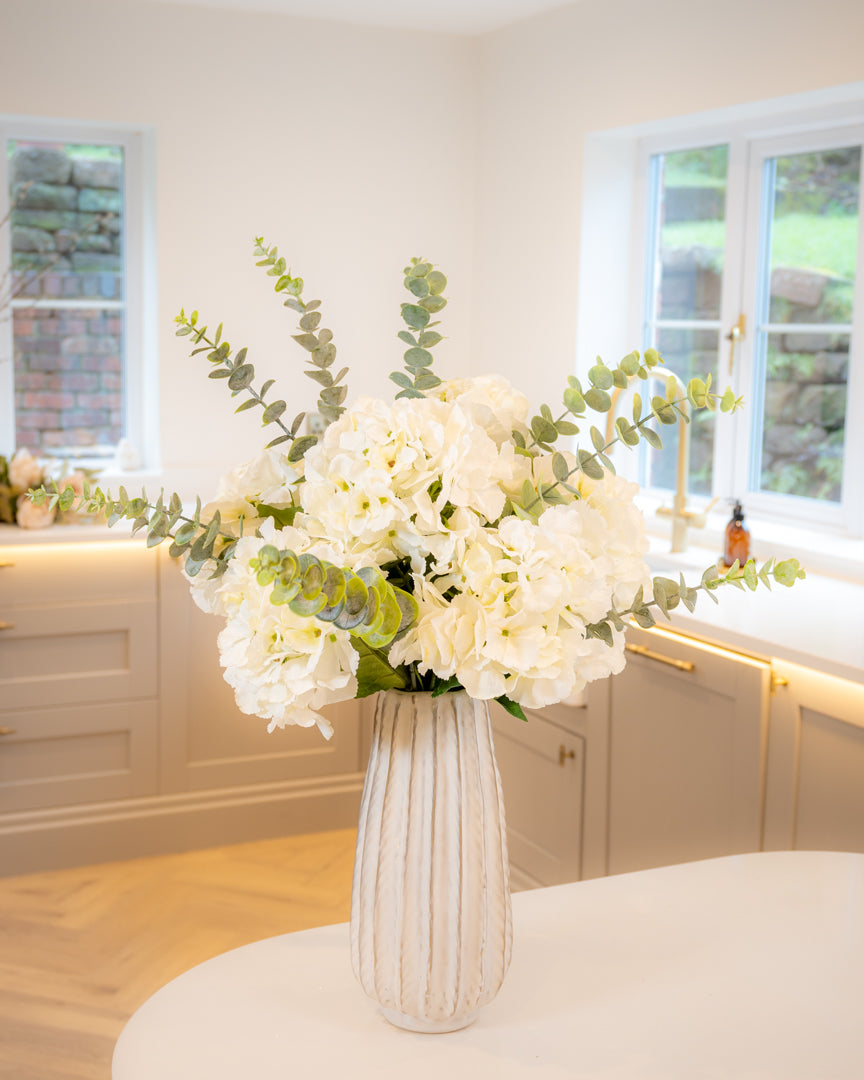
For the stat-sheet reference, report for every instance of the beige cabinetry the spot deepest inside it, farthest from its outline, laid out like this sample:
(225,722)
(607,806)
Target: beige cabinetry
(542,765)
(688,737)
(78,675)
(118,735)
(815,779)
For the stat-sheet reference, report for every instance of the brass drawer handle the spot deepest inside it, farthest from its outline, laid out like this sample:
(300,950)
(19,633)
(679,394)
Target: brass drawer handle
(564,753)
(8,730)
(649,654)
(7,625)
(5,562)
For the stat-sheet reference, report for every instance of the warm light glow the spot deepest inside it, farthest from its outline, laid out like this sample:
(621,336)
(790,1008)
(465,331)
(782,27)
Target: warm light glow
(697,643)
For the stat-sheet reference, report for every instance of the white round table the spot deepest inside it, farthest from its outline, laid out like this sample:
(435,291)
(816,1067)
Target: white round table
(748,967)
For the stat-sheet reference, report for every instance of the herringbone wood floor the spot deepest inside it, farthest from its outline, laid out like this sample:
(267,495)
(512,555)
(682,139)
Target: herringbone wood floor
(81,949)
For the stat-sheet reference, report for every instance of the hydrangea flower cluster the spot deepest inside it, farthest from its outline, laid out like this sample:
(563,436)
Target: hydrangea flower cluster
(434,543)
(421,486)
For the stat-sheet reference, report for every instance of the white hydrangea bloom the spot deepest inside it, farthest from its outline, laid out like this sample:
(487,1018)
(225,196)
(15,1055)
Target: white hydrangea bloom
(490,401)
(521,596)
(267,478)
(283,667)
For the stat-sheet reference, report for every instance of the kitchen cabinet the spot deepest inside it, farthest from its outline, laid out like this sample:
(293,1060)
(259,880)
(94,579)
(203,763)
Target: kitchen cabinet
(688,737)
(815,778)
(542,764)
(118,735)
(78,675)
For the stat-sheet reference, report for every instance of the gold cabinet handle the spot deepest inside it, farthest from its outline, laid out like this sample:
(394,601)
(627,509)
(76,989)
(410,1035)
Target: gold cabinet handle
(649,654)
(5,562)
(8,730)
(734,337)
(7,625)
(564,754)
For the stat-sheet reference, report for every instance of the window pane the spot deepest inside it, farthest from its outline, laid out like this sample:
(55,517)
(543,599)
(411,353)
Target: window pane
(805,414)
(687,353)
(692,234)
(814,236)
(67,217)
(68,379)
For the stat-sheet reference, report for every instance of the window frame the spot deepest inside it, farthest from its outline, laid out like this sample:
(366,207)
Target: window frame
(750,143)
(140,403)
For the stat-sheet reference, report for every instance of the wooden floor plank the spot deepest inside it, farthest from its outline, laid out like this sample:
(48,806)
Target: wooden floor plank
(81,949)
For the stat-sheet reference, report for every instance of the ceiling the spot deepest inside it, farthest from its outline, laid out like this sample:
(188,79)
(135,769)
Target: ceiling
(445,16)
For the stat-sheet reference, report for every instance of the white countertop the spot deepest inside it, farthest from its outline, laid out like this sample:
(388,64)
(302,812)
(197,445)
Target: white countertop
(749,967)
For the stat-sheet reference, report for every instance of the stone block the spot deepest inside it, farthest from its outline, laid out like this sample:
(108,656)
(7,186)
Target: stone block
(100,200)
(76,242)
(106,223)
(95,262)
(32,196)
(96,173)
(41,163)
(803,287)
(50,220)
(29,240)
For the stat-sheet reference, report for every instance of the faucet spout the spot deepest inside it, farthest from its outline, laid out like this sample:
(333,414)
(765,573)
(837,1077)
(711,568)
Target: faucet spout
(682,517)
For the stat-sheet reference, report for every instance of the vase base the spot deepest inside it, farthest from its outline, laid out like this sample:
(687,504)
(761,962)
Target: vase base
(428,1027)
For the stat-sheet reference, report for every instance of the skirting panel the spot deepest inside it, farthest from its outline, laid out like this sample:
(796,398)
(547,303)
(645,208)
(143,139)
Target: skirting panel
(130,828)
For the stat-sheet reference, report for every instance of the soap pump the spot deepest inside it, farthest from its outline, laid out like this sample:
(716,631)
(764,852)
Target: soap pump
(737,545)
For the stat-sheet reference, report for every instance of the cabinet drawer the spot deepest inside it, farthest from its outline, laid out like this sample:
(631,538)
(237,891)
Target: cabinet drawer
(542,775)
(67,654)
(76,573)
(77,754)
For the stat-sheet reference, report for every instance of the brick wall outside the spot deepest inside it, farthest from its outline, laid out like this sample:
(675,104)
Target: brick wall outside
(67,218)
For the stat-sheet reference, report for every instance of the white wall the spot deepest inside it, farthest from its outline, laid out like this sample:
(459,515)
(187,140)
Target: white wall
(548,83)
(355,148)
(352,148)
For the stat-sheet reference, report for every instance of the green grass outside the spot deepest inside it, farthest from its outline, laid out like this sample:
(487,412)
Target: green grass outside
(826,244)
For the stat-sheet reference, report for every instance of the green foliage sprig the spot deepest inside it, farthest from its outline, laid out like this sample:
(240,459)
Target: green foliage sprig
(668,409)
(317,342)
(199,540)
(366,604)
(668,593)
(427,286)
(240,375)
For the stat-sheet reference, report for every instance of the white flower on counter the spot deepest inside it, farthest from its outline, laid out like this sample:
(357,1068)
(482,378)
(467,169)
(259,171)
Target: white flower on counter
(24,470)
(30,516)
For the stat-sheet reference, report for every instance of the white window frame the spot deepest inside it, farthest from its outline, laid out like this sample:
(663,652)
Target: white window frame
(750,143)
(140,371)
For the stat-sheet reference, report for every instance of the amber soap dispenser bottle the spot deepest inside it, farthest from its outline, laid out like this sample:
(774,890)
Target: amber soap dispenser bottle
(737,545)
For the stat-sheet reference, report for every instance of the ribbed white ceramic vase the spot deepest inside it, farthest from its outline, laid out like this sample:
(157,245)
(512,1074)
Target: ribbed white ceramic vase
(431,925)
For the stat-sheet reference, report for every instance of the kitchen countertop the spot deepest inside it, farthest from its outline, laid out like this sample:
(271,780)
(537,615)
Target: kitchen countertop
(748,966)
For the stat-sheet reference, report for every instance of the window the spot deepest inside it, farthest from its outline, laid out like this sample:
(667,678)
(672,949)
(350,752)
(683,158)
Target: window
(754,273)
(71,375)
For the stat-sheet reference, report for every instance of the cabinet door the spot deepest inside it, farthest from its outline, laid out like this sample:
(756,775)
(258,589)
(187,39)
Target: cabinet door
(688,734)
(815,784)
(208,742)
(76,754)
(542,768)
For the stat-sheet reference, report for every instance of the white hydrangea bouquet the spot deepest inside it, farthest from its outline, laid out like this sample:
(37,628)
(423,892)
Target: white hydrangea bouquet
(436,542)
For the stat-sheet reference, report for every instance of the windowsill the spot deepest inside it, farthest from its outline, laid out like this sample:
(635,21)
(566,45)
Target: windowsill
(824,552)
